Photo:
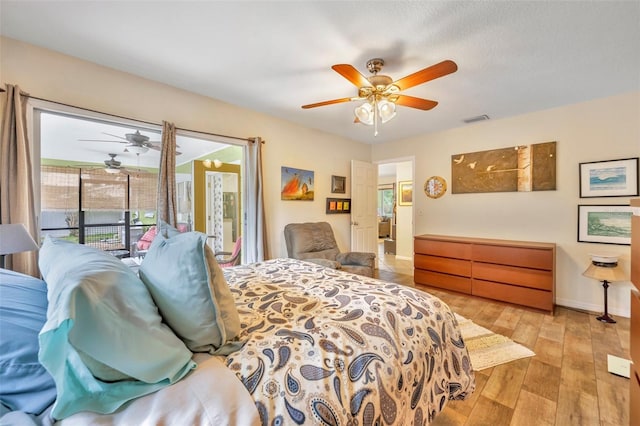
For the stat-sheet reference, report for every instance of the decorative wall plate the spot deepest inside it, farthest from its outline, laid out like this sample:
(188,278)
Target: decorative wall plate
(435,187)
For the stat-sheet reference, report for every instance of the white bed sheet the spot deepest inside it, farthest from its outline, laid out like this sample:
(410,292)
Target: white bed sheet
(211,395)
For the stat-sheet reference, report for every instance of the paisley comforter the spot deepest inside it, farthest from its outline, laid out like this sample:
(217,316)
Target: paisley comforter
(330,348)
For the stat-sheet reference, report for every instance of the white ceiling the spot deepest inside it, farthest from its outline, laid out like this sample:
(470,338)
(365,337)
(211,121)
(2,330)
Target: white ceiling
(70,138)
(274,56)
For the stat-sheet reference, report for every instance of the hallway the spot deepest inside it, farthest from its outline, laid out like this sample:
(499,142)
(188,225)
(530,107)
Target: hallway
(392,269)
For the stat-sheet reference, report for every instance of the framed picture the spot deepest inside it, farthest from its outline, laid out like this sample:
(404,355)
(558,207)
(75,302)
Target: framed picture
(338,184)
(296,184)
(405,193)
(604,224)
(338,205)
(613,178)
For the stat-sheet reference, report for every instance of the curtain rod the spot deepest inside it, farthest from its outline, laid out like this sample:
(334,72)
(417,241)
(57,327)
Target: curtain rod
(140,121)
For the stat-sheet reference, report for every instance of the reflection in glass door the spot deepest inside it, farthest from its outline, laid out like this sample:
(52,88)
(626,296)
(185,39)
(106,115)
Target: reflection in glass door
(222,210)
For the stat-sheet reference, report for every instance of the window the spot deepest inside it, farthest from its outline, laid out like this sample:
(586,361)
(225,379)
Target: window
(386,199)
(109,211)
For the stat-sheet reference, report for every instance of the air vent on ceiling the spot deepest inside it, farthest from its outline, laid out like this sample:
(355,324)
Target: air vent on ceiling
(476,118)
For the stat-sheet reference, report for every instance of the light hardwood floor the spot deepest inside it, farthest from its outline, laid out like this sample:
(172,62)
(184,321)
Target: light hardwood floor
(566,383)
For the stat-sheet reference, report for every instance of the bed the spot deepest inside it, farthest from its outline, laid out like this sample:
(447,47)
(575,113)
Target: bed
(312,346)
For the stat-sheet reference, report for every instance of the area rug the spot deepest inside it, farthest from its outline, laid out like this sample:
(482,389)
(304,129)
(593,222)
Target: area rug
(488,349)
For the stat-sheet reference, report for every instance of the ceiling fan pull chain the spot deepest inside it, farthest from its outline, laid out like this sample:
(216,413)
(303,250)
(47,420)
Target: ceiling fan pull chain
(375,117)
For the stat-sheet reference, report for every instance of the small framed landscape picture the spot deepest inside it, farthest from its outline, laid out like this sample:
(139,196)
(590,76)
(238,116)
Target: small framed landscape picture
(613,178)
(405,193)
(604,224)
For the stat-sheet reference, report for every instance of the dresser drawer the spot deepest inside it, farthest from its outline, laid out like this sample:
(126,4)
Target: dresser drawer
(449,282)
(442,248)
(526,277)
(515,256)
(509,293)
(443,264)
(634,328)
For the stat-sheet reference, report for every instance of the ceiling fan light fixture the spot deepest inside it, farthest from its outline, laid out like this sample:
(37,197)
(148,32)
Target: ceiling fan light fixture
(137,149)
(386,110)
(364,113)
(111,170)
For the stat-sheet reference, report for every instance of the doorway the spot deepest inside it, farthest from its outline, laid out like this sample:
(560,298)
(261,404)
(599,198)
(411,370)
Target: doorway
(217,203)
(223,212)
(395,242)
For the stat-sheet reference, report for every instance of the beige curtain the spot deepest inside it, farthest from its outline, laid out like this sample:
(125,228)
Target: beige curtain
(255,242)
(167,207)
(16,177)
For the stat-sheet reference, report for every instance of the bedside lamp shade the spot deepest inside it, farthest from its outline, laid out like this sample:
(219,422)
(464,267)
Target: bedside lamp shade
(14,238)
(605,269)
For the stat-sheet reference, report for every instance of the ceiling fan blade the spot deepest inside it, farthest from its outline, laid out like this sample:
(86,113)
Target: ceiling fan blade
(352,74)
(115,136)
(331,102)
(430,73)
(100,140)
(419,103)
(157,148)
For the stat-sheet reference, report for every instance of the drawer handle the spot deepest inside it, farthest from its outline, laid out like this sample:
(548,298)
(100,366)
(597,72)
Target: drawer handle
(635,373)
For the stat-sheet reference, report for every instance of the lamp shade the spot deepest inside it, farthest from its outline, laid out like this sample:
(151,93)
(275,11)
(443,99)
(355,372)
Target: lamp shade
(604,268)
(364,113)
(607,273)
(387,110)
(14,238)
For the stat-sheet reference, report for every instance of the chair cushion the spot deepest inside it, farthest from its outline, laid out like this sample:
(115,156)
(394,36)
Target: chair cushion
(147,238)
(311,240)
(191,292)
(104,341)
(25,385)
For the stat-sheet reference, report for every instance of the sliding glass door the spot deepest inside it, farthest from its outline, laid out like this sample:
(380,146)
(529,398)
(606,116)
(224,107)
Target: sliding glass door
(98,178)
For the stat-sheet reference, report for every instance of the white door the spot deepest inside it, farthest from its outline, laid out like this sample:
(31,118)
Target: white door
(364,220)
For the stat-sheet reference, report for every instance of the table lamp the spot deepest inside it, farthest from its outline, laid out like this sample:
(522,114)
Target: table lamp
(14,238)
(604,268)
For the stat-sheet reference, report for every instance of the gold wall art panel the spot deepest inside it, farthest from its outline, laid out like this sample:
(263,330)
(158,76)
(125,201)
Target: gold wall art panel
(515,169)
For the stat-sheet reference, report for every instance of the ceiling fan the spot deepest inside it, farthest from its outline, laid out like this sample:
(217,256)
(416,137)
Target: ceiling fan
(136,142)
(111,166)
(381,93)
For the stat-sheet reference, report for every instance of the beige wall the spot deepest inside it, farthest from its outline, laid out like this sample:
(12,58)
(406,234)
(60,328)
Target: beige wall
(53,76)
(602,129)
(597,130)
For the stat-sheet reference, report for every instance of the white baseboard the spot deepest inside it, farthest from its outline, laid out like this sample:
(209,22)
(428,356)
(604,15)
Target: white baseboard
(404,258)
(593,307)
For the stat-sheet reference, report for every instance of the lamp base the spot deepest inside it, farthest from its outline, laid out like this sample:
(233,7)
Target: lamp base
(606,318)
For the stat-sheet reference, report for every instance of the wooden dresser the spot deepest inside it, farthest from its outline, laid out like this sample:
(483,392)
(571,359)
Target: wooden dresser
(634,392)
(519,272)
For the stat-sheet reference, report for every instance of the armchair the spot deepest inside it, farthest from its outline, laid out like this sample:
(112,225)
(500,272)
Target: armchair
(315,242)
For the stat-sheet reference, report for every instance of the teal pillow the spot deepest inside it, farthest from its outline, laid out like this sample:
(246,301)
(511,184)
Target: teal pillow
(104,341)
(191,292)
